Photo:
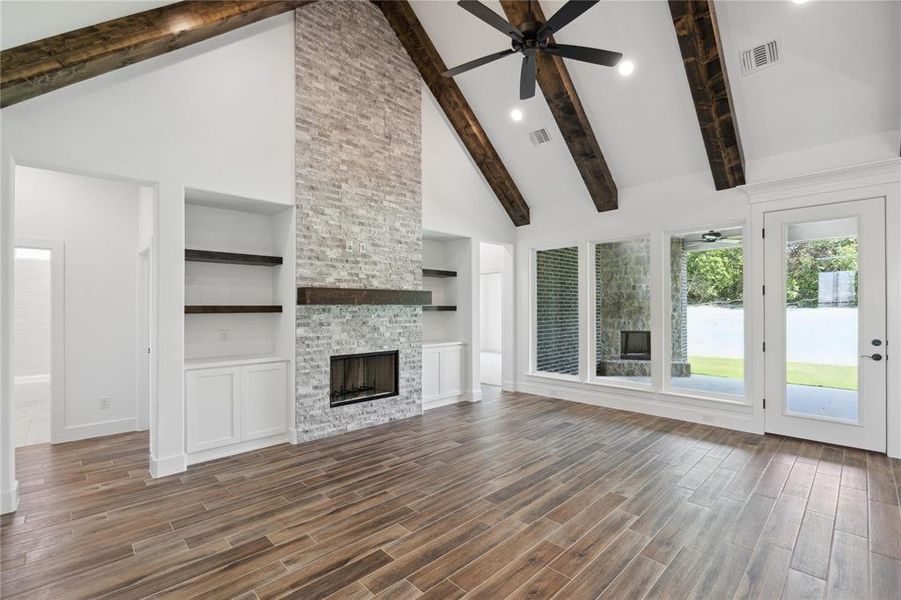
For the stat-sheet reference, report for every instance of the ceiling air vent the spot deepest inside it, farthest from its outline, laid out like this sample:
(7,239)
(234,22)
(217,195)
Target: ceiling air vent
(539,137)
(761,57)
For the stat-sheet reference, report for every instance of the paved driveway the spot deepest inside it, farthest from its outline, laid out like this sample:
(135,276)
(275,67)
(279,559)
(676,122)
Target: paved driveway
(814,335)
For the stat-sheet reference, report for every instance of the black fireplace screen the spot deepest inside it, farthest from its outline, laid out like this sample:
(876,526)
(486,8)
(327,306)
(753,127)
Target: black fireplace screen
(635,345)
(363,377)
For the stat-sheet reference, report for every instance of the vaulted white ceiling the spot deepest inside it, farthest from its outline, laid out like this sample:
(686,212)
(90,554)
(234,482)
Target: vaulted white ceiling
(840,79)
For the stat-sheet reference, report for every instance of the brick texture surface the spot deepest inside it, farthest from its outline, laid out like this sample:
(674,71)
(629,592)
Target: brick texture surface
(358,178)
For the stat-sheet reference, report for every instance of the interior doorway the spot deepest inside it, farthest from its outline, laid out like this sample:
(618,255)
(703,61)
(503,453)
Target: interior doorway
(492,258)
(825,304)
(33,341)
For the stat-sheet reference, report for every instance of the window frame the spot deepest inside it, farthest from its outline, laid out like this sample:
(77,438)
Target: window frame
(667,306)
(533,312)
(591,297)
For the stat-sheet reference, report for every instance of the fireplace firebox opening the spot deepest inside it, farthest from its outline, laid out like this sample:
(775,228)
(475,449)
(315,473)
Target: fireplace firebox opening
(363,377)
(635,345)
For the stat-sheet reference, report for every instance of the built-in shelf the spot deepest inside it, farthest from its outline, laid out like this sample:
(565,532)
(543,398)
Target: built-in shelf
(323,295)
(438,273)
(216,309)
(231,258)
(440,308)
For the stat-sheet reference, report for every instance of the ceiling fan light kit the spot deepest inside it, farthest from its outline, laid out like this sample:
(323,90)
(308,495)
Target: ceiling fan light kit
(533,37)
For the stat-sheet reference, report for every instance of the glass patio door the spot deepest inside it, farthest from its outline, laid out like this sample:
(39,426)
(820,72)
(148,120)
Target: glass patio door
(825,313)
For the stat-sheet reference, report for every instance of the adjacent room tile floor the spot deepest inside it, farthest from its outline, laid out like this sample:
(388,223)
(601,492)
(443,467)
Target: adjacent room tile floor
(32,413)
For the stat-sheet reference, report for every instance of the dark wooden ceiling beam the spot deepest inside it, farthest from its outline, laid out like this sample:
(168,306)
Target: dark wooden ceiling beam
(49,64)
(705,67)
(426,58)
(572,121)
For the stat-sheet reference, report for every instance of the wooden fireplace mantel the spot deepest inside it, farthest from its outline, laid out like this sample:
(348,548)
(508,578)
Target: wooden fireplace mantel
(325,295)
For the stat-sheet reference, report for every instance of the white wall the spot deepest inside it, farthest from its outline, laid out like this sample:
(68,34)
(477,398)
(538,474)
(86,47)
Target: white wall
(217,116)
(32,314)
(456,199)
(491,268)
(98,223)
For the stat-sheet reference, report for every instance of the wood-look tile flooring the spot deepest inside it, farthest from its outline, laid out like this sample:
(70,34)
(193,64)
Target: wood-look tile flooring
(519,497)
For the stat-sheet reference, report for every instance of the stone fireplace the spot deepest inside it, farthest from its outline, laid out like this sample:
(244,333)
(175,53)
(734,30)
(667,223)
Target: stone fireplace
(359,216)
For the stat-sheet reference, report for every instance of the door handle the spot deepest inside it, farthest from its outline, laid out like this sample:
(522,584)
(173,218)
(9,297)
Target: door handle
(877,357)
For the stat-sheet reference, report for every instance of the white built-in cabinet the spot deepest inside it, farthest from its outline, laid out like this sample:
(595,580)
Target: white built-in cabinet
(232,407)
(443,373)
(239,324)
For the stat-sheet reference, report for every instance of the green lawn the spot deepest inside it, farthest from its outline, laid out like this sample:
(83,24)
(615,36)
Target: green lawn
(833,376)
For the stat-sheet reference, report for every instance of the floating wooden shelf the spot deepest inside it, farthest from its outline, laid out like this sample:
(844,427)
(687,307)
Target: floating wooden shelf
(323,295)
(231,258)
(438,273)
(440,308)
(212,309)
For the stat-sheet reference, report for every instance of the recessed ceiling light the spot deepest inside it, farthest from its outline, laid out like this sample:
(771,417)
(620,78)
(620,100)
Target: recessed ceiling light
(516,115)
(626,67)
(799,1)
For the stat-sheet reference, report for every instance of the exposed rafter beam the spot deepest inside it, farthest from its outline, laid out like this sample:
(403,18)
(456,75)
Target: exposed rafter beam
(561,96)
(46,65)
(426,58)
(705,67)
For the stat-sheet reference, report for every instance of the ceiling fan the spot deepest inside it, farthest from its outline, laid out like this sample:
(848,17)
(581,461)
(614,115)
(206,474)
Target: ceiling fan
(713,239)
(531,38)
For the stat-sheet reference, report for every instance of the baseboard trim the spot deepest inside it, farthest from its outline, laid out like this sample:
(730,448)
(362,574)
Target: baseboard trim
(633,403)
(239,448)
(508,386)
(9,499)
(167,466)
(442,401)
(22,379)
(292,437)
(91,430)
(473,396)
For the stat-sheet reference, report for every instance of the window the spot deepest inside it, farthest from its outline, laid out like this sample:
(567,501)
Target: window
(707,320)
(557,311)
(622,303)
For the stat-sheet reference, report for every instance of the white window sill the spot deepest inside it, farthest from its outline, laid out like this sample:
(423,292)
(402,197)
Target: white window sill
(554,376)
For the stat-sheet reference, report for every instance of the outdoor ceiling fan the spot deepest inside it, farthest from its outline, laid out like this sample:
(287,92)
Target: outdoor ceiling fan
(531,38)
(712,237)
(713,240)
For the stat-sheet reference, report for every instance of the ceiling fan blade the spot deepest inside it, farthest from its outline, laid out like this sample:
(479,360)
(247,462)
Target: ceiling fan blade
(477,63)
(487,15)
(527,77)
(568,13)
(597,56)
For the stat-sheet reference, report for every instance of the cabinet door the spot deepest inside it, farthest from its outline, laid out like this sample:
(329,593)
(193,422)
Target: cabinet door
(264,400)
(213,410)
(451,371)
(431,374)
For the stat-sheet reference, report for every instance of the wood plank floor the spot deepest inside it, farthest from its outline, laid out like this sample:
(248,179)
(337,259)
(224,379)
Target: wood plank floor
(516,497)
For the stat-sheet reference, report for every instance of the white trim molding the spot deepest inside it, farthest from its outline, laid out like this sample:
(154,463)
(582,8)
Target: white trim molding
(168,466)
(9,500)
(73,433)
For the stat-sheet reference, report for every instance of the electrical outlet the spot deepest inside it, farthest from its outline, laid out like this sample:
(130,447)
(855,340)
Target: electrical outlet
(349,245)
(224,333)
(362,247)
(104,403)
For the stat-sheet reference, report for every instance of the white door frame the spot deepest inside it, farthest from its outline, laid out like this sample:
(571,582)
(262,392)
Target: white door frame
(851,183)
(869,431)
(144,323)
(57,329)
